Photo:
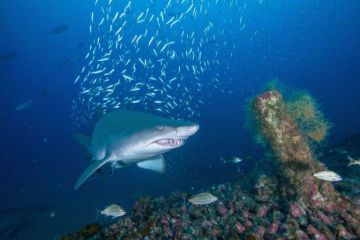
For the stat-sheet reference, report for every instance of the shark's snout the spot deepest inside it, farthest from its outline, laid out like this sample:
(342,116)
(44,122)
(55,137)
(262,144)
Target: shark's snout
(187,131)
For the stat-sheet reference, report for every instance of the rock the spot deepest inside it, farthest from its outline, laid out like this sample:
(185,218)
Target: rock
(239,227)
(324,218)
(300,235)
(303,221)
(296,211)
(260,232)
(344,234)
(248,224)
(222,211)
(273,228)
(311,230)
(262,210)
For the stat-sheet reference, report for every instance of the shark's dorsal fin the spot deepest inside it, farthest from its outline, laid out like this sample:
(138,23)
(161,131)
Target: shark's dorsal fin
(83,140)
(89,171)
(156,164)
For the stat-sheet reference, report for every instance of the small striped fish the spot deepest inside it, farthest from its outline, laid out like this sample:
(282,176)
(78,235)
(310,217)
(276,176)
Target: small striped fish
(328,176)
(114,211)
(203,198)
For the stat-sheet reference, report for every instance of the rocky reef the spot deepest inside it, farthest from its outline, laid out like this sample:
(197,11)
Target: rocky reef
(291,204)
(260,214)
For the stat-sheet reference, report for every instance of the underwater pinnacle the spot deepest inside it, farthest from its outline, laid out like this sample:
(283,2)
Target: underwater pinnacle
(292,151)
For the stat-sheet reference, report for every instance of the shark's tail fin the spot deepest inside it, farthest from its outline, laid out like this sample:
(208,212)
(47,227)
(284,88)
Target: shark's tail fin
(83,140)
(97,213)
(351,160)
(89,171)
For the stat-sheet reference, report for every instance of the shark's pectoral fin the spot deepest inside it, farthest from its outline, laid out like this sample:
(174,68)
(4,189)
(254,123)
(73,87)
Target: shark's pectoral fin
(156,164)
(89,171)
(83,140)
(117,164)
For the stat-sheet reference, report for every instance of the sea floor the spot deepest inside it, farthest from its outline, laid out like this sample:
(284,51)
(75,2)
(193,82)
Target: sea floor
(237,214)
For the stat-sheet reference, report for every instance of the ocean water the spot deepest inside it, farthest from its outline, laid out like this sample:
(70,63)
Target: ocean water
(64,63)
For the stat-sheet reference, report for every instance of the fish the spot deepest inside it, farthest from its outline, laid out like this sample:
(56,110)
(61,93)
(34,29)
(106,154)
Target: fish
(70,60)
(80,45)
(340,150)
(353,161)
(23,105)
(231,160)
(58,29)
(203,199)
(113,211)
(328,176)
(134,138)
(7,56)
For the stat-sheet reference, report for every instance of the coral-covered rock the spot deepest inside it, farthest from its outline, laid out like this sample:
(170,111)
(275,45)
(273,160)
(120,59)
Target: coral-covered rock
(273,228)
(324,218)
(222,211)
(301,235)
(296,211)
(260,232)
(344,234)
(90,230)
(239,227)
(312,230)
(248,224)
(303,221)
(262,210)
(320,236)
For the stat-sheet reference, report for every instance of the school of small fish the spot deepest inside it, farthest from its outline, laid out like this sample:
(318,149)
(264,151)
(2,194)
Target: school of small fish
(156,55)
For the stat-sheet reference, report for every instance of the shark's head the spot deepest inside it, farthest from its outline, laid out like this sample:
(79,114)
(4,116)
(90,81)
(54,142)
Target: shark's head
(158,139)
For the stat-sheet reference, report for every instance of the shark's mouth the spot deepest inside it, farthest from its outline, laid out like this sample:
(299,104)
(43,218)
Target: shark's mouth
(170,142)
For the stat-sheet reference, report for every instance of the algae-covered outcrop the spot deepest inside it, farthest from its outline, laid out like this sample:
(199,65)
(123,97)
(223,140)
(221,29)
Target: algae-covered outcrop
(301,106)
(306,112)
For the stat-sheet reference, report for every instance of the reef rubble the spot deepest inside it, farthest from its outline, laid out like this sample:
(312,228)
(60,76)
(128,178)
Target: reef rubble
(238,214)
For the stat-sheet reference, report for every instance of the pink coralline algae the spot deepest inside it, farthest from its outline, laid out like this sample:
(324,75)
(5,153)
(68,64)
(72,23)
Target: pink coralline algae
(273,228)
(296,210)
(260,232)
(325,219)
(239,227)
(222,210)
(248,224)
(262,210)
(312,230)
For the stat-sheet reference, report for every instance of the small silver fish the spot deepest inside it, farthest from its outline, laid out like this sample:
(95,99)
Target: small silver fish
(353,161)
(328,176)
(231,160)
(23,105)
(203,199)
(113,211)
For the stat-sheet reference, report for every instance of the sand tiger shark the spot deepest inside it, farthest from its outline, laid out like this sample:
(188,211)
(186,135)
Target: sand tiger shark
(124,138)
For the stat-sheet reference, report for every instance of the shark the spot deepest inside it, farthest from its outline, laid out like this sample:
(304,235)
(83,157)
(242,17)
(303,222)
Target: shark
(14,220)
(125,138)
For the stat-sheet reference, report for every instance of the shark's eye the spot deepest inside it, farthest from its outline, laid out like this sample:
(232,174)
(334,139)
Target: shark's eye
(159,127)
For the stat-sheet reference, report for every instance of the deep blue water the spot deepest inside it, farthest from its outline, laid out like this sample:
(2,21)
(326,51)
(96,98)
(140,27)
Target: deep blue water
(312,45)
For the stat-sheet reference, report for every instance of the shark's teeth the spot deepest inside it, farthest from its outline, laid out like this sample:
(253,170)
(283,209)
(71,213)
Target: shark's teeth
(170,142)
